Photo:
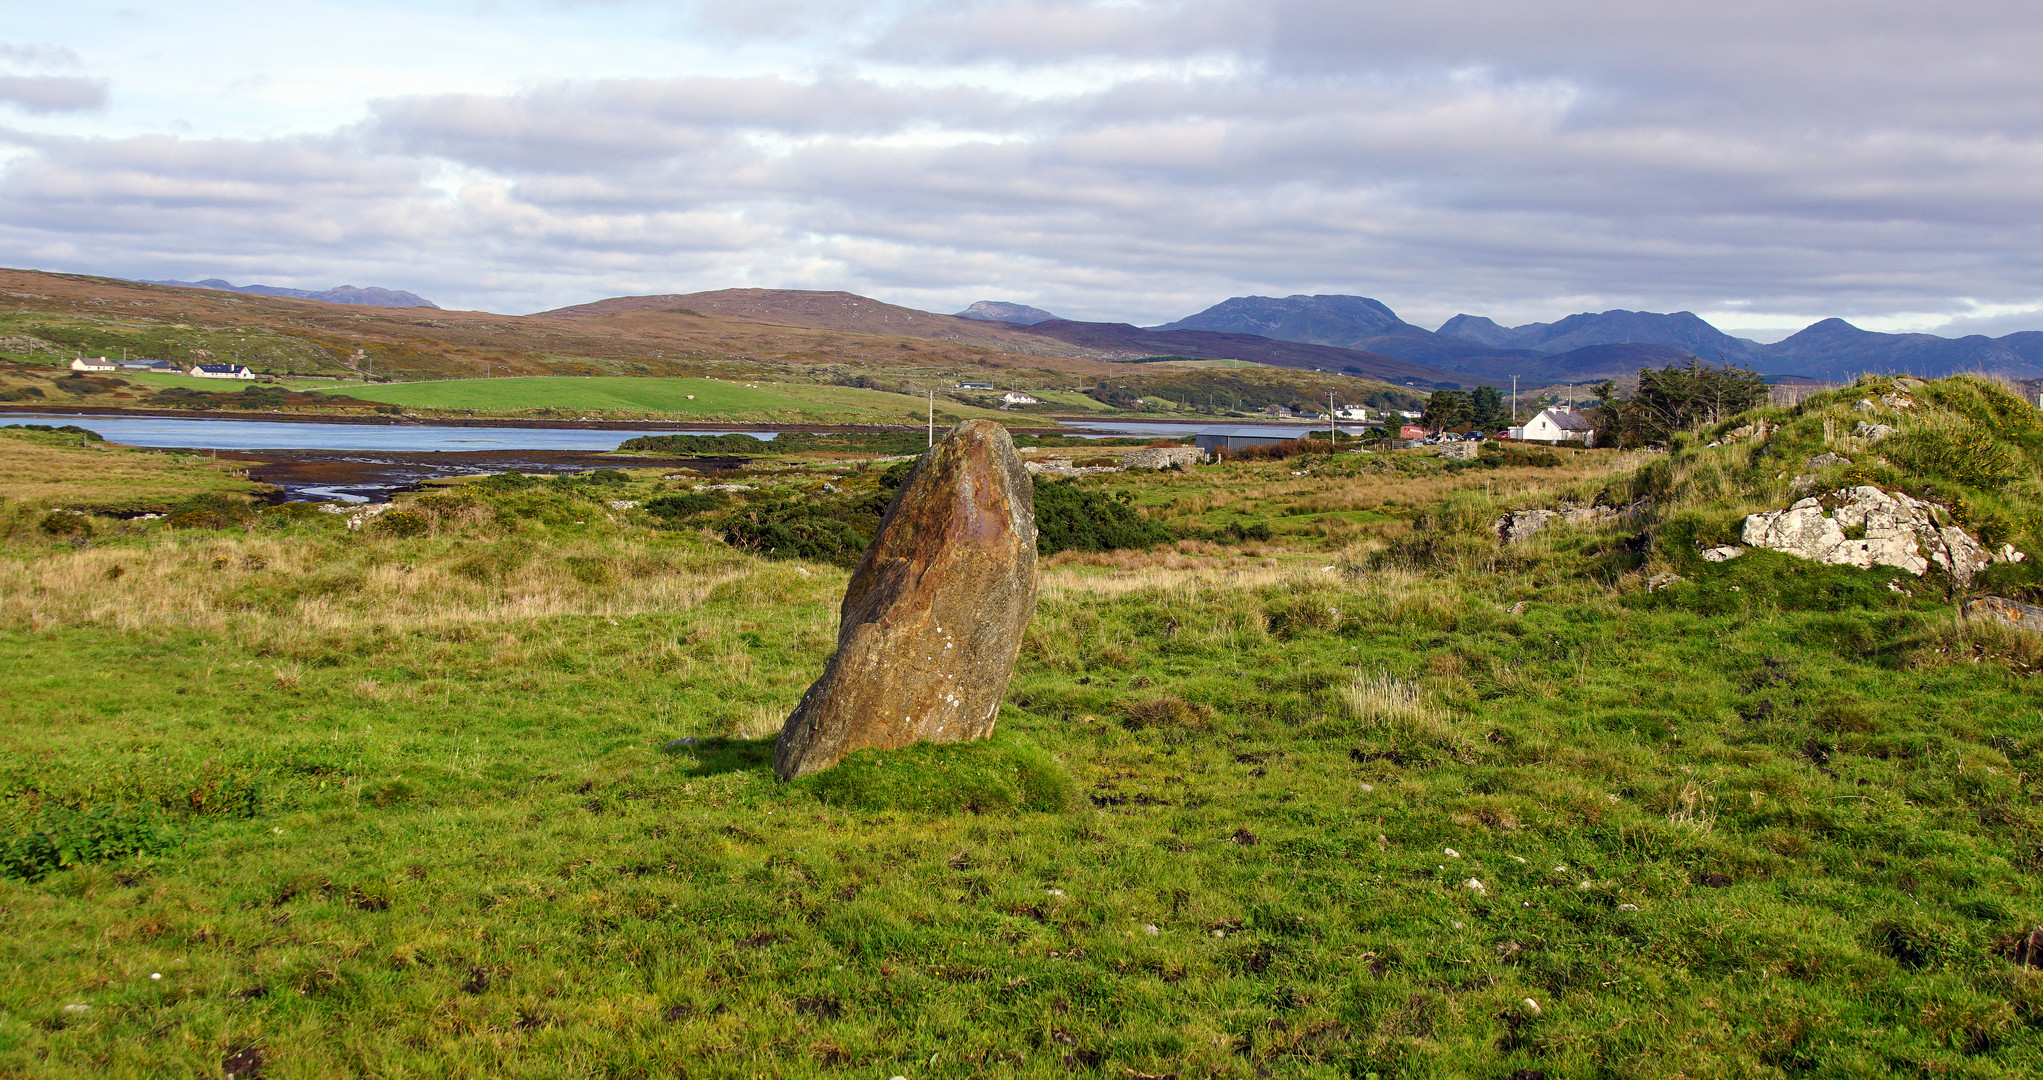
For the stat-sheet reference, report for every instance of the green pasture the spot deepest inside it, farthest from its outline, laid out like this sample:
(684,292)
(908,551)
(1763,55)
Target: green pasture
(711,398)
(482,788)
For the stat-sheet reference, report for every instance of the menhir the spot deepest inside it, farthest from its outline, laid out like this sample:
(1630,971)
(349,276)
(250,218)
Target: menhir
(933,619)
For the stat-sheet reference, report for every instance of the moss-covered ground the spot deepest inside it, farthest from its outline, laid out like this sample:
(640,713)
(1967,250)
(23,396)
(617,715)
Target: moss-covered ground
(1370,797)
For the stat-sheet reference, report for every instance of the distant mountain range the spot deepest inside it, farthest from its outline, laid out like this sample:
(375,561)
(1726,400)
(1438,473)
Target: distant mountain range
(345,294)
(1594,346)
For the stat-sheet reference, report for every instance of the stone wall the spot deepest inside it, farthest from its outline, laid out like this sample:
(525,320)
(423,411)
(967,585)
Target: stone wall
(1162,457)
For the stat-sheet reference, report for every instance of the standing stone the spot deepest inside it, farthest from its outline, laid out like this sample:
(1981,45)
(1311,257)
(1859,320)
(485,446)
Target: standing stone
(932,621)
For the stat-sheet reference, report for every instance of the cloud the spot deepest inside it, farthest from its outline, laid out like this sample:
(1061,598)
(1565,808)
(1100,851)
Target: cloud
(1140,160)
(53,93)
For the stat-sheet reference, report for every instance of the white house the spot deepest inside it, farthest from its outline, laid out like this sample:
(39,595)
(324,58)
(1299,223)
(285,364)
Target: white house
(1352,412)
(220,371)
(1016,397)
(94,363)
(1557,424)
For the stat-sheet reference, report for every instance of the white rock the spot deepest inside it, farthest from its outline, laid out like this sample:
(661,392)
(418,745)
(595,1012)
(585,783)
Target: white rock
(75,1008)
(623,504)
(1627,907)
(1872,432)
(1476,887)
(1451,853)
(1722,553)
(1531,1006)
(1150,929)
(1900,531)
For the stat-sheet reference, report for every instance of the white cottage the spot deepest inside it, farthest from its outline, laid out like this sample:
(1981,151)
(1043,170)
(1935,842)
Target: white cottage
(94,363)
(1557,424)
(221,371)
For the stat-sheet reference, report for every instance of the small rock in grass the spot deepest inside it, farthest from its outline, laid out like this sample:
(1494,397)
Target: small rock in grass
(1627,907)
(1722,553)
(1531,1006)
(74,1008)
(1451,853)
(1476,887)
(1054,892)
(1150,929)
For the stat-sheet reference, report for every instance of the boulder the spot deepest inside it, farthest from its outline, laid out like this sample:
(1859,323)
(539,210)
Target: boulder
(933,618)
(1826,460)
(1896,531)
(1722,553)
(2006,612)
(1872,432)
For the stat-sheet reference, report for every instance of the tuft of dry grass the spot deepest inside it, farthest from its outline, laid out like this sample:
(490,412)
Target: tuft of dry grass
(1385,699)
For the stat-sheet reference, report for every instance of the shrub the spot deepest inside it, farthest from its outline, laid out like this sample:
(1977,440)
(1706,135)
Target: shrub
(401,523)
(66,838)
(210,511)
(67,525)
(793,529)
(1074,518)
(684,504)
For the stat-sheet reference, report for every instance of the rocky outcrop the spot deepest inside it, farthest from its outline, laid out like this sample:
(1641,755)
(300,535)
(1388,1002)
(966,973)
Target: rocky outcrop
(1460,451)
(2006,612)
(933,618)
(1892,530)
(1519,524)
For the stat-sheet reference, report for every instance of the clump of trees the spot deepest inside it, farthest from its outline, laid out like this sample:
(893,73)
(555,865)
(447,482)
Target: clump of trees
(1678,397)
(1481,409)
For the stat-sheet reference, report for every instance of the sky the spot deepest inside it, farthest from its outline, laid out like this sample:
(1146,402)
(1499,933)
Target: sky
(1763,164)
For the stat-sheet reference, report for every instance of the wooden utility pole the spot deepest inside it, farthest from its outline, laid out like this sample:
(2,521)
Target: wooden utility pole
(1330,421)
(1514,401)
(932,418)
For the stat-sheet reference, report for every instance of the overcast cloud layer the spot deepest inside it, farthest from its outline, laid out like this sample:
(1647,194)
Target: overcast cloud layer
(1763,164)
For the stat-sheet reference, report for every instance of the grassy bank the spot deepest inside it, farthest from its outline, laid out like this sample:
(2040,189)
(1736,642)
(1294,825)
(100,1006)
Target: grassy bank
(73,469)
(1339,802)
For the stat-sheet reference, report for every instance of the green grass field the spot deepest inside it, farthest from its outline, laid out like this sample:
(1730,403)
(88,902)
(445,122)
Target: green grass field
(711,398)
(1376,796)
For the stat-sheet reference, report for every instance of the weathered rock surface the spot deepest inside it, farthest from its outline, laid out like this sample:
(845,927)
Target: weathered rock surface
(1722,553)
(1519,524)
(1826,460)
(1898,531)
(933,618)
(1460,451)
(2007,612)
(1872,432)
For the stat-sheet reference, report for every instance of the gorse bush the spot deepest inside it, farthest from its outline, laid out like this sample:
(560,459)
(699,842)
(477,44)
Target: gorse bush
(1071,517)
